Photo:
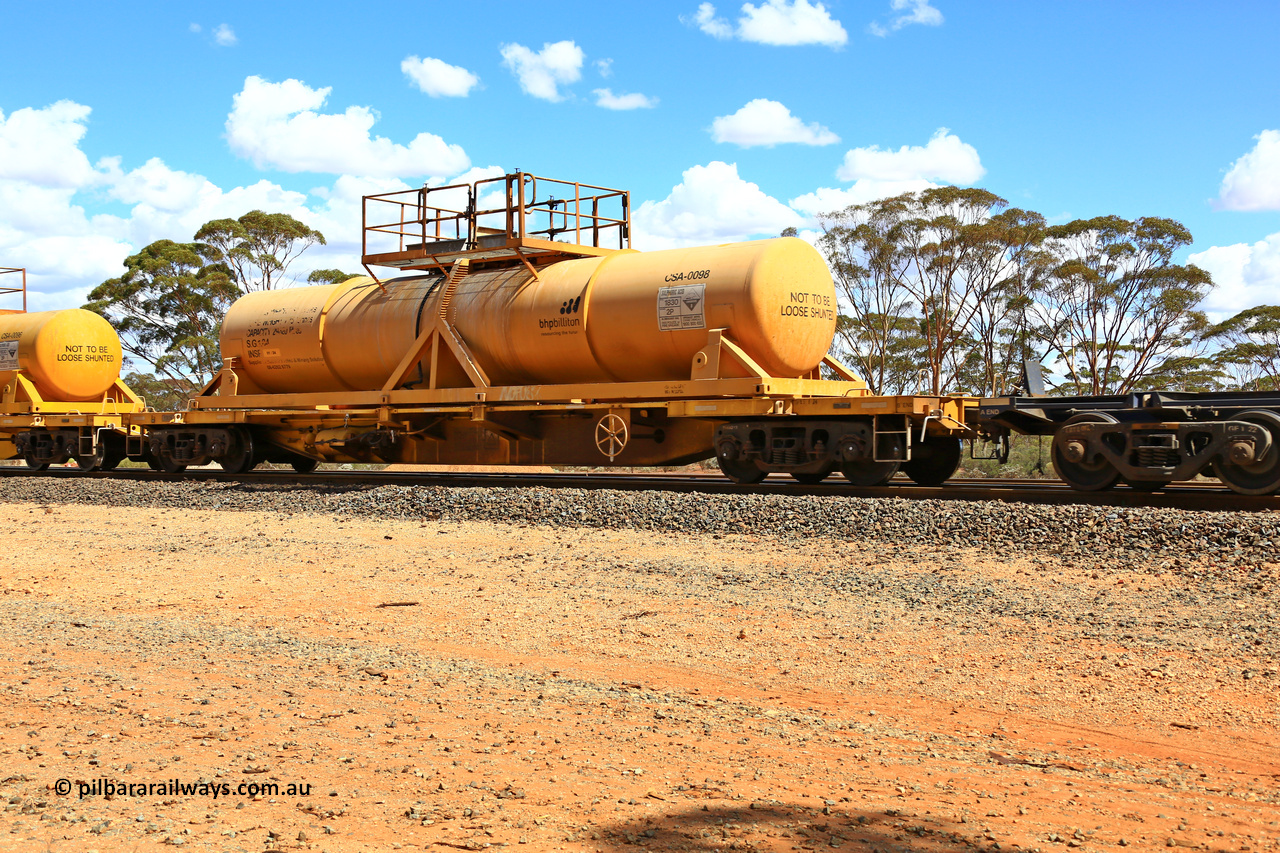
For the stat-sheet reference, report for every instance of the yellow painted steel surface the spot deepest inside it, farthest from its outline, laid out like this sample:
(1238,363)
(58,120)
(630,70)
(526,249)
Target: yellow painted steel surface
(625,317)
(69,355)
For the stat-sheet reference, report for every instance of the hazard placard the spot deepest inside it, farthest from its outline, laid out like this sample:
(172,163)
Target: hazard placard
(682,307)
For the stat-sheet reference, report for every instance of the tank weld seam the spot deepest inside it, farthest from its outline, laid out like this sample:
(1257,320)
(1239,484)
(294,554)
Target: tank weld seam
(586,312)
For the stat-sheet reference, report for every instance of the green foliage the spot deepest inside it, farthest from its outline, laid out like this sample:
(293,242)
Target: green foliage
(167,308)
(1251,347)
(1028,459)
(883,349)
(935,283)
(950,285)
(168,305)
(1113,307)
(330,276)
(257,248)
(163,395)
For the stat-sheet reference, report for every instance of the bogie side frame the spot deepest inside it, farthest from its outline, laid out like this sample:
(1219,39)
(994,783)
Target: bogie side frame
(1149,439)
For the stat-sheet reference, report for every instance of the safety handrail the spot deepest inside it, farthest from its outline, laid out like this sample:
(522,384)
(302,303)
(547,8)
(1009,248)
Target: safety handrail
(23,289)
(529,207)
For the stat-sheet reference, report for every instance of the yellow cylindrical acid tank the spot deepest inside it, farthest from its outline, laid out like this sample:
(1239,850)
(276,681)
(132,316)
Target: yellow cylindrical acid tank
(71,355)
(628,316)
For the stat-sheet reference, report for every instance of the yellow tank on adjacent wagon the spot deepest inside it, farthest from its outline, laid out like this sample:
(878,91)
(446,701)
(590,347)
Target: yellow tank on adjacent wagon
(62,395)
(70,356)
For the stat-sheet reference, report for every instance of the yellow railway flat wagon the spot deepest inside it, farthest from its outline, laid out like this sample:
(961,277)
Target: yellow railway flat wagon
(524,330)
(62,395)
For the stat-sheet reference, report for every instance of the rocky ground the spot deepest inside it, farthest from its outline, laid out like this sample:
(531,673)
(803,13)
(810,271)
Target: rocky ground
(557,669)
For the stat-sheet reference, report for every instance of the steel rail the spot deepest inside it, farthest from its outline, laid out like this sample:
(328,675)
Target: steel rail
(1189,496)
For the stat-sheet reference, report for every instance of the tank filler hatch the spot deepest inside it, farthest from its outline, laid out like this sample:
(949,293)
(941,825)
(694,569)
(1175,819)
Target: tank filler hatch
(10,286)
(514,219)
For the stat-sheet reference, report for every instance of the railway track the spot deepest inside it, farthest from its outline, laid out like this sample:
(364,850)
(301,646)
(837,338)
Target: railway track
(1191,496)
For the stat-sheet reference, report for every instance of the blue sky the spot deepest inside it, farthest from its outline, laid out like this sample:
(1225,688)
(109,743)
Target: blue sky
(129,122)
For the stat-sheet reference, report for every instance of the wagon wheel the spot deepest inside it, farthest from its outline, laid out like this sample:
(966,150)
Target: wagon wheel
(612,435)
(166,466)
(812,478)
(33,463)
(1146,485)
(742,473)
(163,462)
(864,472)
(1261,477)
(304,464)
(933,460)
(241,457)
(92,461)
(1087,474)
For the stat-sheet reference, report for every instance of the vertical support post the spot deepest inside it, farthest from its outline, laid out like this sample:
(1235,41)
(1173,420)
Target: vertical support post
(520,206)
(624,230)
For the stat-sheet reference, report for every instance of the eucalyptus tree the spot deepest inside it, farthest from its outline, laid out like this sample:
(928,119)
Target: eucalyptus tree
(168,308)
(1114,310)
(258,248)
(946,271)
(1251,347)
(877,331)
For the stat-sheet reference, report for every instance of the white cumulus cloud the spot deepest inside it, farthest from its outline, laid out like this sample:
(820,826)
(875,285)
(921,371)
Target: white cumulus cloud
(878,173)
(913,12)
(42,146)
(48,187)
(155,184)
(944,158)
(634,101)
(711,204)
(276,125)
(1246,275)
(776,22)
(542,74)
(766,122)
(706,20)
(783,23)
(438,78)
(224,35)
(1253,183)
(831,199)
